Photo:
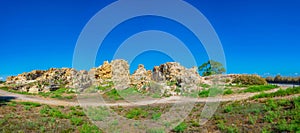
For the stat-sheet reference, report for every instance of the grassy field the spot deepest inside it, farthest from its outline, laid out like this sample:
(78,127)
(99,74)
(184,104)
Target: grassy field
(267,115)
(35,117)
(265,112)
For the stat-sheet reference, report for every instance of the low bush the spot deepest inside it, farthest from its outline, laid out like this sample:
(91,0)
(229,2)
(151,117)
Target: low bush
(249,80)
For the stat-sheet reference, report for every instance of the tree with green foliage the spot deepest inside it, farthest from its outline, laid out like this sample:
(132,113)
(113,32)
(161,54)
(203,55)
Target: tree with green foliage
(211,67)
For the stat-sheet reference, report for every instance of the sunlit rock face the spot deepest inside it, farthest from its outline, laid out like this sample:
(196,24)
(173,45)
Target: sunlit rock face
(120,74)
(141,77)
(42,80)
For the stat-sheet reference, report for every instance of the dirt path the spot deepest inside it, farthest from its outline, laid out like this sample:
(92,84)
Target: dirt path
(97,102)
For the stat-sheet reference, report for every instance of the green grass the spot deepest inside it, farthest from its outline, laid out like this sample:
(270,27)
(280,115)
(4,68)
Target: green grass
(53,112)
(259,88)
(136,113)
(33,104)
(180,128)
(97,113)
(88,128)
(155,130)
(113,94)
(119,94)
(156,116)
(76,121)
(204,85)
(280,92)
(228,91)
(228,109)
(210,92)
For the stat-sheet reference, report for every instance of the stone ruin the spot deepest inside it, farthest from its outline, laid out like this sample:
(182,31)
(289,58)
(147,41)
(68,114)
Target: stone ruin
(169,77)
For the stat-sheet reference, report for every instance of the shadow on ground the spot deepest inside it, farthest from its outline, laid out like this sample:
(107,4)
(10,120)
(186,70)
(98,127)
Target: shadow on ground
(5,99)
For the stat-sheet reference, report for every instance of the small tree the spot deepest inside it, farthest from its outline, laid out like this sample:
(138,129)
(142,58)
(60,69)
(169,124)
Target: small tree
(211,67)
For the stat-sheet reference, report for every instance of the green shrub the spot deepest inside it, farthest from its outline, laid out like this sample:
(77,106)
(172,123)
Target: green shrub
(250,80)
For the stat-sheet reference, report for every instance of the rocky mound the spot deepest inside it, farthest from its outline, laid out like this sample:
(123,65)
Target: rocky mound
(171,76)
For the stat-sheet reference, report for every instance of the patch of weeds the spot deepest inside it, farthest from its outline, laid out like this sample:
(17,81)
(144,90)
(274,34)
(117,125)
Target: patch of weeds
(156,95)
(76,121)
(181,127)
(155,130)
(228,91)
(259,88)
(156,116)
(195,123)
(270,116)
(203,93)
(88,128)
(193,94)
(113,94)
(58,96)
(12,103)
(68,97)
(252,119)
(171,83)
(228,109)
(229,129)
(97,113)
(26,107)
(77,113)
(204,85)
(31,125)
(32,104)
(280,92)
(52,112)
(2,121)
(221,125)
(232,129)
(42,129)
(129,92)
(136,113)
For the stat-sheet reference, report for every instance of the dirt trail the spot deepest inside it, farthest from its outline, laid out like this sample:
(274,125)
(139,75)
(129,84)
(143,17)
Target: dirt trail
(97,102)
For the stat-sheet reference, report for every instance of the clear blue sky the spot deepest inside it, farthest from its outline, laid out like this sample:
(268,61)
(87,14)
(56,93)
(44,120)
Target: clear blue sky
(258,36)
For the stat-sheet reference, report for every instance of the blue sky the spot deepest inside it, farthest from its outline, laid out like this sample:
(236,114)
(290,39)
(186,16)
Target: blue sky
(258,36)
